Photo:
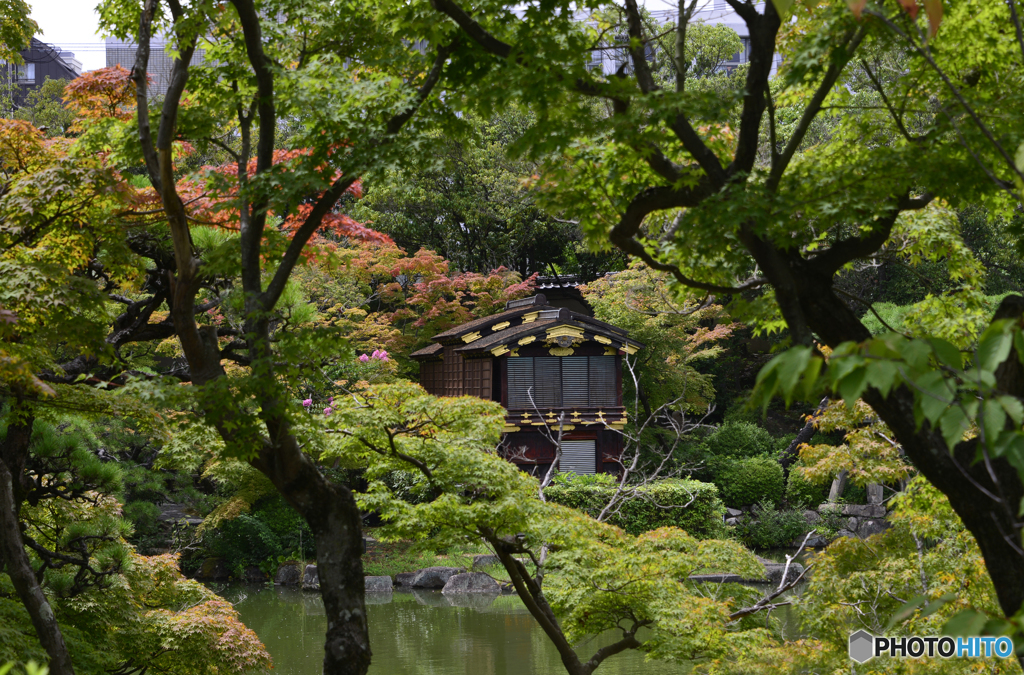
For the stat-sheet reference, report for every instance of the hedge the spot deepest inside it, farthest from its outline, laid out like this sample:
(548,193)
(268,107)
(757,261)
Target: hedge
(747,481)
(702,519)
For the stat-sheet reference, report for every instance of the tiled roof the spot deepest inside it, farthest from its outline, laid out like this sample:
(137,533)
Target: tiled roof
(429,350)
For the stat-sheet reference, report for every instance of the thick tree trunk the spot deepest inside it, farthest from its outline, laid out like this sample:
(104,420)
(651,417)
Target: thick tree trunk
(332,514)
(968,484)
(12,550)
(337,528)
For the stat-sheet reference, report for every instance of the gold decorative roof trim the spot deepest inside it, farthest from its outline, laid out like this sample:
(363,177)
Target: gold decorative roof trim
(568,331)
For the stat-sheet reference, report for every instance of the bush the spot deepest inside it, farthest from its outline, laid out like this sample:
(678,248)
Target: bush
(799,490)
(773,528)
(273,530)
(701,519)
(742,482)
(741,439)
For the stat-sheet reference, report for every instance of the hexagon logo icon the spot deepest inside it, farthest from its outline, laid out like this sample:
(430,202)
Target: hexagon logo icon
(862,646)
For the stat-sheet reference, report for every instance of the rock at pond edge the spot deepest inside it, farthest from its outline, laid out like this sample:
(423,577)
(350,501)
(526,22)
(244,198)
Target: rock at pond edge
(434,577)
(310,579)
(470,582)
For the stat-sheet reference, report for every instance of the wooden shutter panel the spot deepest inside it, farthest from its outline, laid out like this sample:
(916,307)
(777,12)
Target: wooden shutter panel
(547,382)
(574,382)
(603,390)
(580,457)
(453,364)
(477,377)
(520,380)
(438,381)
(428,376)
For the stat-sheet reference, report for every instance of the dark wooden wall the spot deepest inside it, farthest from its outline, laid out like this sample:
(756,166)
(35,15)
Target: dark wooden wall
(534,453)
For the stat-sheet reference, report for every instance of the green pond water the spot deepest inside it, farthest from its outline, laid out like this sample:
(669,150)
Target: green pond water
(420,633)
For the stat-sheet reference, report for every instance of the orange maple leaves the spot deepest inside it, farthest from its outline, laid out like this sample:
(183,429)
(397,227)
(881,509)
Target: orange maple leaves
(933,8)
(107,92)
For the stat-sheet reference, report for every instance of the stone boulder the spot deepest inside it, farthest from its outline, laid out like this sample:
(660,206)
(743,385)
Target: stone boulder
(814,541)
(434,577)
(485,560)
(254,575)
(404,578)
(288,574)
(471,582)
(310,579)
(378,584)
(870,526)
(732,513)
(864,510)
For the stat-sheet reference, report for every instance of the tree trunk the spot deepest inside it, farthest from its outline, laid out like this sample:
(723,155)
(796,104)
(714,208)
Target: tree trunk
(792,452)
(955,472)
(13,552)
(333,516)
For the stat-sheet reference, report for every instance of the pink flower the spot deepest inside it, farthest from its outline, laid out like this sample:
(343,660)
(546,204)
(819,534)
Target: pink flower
(380,354)
(328,410)
(364,358)
(330,401)
(308,402)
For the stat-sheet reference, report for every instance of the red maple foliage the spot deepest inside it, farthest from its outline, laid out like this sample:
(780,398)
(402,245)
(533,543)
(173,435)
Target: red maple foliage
(211,196)
(107,92)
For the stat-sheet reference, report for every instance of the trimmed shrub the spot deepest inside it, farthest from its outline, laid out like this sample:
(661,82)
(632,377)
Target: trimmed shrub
(741,439)
(703,518)
(799,490)
(772,528)
(747,481)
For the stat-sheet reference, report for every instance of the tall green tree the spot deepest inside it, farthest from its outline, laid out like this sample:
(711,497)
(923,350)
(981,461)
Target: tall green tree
(470,203)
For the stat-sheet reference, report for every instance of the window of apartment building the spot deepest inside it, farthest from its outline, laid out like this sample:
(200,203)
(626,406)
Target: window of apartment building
(26,73)
(561,382)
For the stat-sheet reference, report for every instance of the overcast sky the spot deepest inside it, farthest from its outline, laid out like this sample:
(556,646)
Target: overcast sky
(73,25)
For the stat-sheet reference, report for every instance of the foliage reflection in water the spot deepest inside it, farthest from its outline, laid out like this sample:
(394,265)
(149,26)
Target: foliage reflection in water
(420,632)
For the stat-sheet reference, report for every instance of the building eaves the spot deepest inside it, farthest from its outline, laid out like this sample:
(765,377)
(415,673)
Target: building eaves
(430,350)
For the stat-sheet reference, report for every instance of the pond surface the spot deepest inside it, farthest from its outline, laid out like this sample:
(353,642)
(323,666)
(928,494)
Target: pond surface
(420,633)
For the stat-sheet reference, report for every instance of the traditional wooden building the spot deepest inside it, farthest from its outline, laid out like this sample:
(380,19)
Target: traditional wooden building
(541,363)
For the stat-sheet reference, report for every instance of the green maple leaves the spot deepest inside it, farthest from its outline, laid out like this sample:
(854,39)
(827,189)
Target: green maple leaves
(956,392)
